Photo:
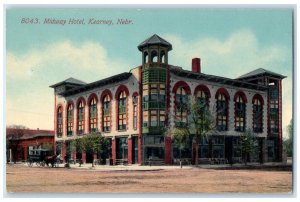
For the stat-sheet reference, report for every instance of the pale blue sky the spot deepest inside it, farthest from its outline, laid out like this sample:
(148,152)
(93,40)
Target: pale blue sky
(230,42)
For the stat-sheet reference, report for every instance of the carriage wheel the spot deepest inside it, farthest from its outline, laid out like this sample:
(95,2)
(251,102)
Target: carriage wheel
(43,163)
(38,163)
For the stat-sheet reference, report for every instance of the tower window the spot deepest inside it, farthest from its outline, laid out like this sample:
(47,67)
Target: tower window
(154,56)
(163,57)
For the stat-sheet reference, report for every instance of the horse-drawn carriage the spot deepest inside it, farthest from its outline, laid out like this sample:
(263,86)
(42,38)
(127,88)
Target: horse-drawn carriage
(41,157)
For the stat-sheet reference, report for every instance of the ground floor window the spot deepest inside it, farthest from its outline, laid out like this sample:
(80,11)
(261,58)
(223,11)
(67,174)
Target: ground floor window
(122,147)
(218,147)
(185,152)
(58,148)
(153,147)
(69,150)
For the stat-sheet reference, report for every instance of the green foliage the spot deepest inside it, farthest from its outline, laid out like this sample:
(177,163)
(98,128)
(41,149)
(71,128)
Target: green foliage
(180,137)
(248,144)
(200,123)
(201,119)
(93,142)
(288,143)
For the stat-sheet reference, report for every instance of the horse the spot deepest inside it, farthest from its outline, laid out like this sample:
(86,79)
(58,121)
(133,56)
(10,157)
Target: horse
(51,160)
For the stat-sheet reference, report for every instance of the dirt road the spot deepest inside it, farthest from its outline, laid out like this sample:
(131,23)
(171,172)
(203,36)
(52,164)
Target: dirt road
(194,180)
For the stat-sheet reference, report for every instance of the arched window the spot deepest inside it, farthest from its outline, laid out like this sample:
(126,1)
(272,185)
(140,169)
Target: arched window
(181,102)
(59,122)
(222,112)
(146,57)
(135,104)
(80,118)
(153,56)
(106,120)
(240,113)
(202,98)
(93,115)
(70,120)
(122,111)
(257,115)
(162,57)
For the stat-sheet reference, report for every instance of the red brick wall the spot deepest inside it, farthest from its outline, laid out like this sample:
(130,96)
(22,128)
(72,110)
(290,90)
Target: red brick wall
(113,150)
(129,150)
(168,150)
(83,157)
(22,154)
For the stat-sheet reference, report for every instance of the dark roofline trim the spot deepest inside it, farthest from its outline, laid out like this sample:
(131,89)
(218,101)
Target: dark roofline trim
(261,72)
(217,79)
(99,83)
(273,76)
(68,82)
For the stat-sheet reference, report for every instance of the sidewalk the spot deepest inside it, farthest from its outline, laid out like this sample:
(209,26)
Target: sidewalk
(135,167)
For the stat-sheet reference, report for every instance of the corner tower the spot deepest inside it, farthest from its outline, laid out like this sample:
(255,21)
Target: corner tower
(154,93)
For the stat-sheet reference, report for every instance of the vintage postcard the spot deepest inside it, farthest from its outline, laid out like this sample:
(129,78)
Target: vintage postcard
(147,100)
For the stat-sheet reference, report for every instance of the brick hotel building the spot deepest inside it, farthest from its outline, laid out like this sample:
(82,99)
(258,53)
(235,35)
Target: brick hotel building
(130,108)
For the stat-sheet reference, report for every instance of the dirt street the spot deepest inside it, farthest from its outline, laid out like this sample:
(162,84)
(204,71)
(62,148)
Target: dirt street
(193,180)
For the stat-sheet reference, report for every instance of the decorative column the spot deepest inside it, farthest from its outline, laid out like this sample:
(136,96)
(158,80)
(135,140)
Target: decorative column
(129,150)
(113,150)
(63,150)
(168,150)
(83,157)
(74,153)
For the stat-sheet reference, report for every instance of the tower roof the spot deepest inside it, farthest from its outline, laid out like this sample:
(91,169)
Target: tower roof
(261,72)
(69,81)
(155,40)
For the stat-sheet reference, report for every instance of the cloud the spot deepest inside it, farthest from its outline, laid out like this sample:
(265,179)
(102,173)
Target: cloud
(64,56)
(29,100)
(232,57)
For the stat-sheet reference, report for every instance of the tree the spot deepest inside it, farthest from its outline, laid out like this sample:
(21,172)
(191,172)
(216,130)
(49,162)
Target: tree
(248,144)
(288,143)
(181,138)
(200,119)
(93,142)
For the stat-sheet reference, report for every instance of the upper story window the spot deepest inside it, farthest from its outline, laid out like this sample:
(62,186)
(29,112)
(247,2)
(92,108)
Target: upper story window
(135,111)
(106,116)
(257,115)
(122,111)
(70,120)
(222,112)
(93,115)
(240,113)
(202,98)
(80,118)
(181,103)
(59,122)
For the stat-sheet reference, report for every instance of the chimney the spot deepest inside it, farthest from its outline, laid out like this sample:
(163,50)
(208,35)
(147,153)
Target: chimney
(196,67)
